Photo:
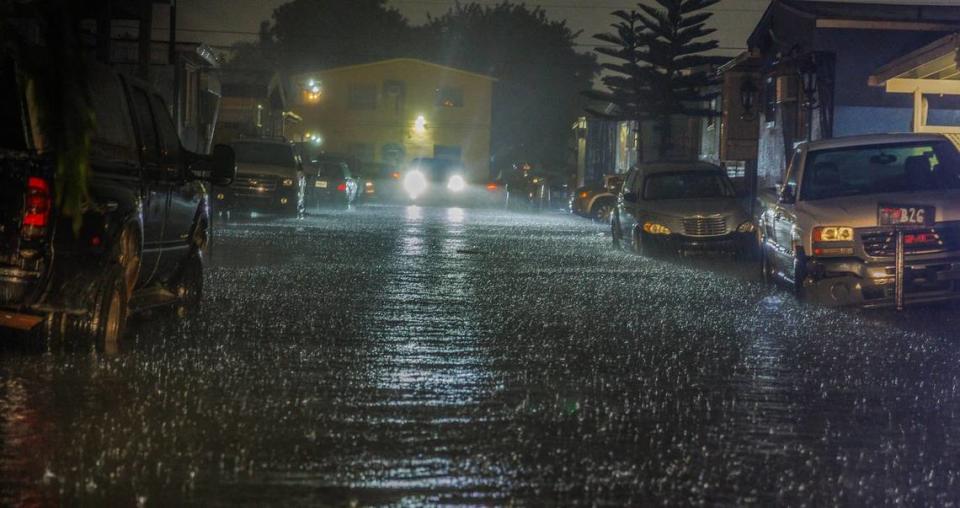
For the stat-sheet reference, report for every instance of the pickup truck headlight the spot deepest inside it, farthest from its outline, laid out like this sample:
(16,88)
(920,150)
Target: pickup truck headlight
(746,227)
(655,229)
(833,234)
(288,182)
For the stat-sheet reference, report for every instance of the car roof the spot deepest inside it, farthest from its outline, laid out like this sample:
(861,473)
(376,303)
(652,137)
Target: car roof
(872,139)
(674,166)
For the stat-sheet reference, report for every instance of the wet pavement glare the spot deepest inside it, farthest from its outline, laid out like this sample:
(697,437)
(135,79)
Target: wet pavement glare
(397,355)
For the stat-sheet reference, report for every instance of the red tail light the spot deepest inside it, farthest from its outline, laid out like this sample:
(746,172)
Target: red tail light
(491,186)
(37,204)
(395,175)
(342,187)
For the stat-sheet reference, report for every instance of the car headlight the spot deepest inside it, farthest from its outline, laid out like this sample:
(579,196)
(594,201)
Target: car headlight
(833,234)
(415,183)
(746,227)
(456,183)
(288,182)
(655,229)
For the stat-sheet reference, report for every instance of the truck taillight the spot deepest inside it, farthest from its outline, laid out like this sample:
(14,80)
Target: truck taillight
(342,187)
(37,204)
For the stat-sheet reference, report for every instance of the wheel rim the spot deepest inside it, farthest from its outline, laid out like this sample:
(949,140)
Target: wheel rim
(114,325)
(604,213)
(129,260)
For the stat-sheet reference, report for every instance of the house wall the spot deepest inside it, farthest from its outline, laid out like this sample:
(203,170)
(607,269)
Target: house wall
(390,125)
(857,107)
(864,109)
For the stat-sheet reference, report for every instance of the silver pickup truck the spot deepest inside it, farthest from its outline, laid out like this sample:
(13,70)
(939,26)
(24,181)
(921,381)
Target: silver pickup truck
(833,228)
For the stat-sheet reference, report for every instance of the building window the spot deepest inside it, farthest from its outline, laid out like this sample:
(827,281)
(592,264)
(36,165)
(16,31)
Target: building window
(363,97)
(362,151)
(713,105)
(450,97)
(447,152)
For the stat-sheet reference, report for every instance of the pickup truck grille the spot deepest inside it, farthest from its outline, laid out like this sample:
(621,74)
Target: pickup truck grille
(252,186)
(916,241)
(705,226)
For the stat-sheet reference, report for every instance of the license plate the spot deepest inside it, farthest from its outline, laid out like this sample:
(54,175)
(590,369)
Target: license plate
(906,215)
(321,184)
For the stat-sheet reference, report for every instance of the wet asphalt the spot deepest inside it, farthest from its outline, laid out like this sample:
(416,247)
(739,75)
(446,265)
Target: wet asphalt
(395,355)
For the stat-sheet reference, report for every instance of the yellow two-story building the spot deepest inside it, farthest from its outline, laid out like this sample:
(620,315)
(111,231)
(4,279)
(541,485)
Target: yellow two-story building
(396,110)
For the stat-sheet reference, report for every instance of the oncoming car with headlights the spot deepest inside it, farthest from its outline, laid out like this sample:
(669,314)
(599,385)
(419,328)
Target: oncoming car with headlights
(681,206)
(428,179)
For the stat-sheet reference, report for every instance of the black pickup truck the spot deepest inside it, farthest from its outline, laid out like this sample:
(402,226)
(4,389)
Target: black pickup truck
(140,239)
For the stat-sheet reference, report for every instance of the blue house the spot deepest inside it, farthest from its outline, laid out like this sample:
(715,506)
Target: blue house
(816,61)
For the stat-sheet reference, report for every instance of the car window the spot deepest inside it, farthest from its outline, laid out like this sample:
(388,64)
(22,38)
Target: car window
(169,140)
(901,167)
(274,154)
(687,185)
(112,138)
(148,135)
(332,169)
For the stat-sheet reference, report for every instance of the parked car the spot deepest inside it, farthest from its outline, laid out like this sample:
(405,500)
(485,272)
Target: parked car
(681,206)
(139,242)
(597,201)
(378,182)
(831,229)
(331,183)
(269,178)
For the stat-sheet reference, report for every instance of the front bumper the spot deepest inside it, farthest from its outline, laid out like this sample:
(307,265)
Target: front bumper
(730,242)
(280,199)
(852,281)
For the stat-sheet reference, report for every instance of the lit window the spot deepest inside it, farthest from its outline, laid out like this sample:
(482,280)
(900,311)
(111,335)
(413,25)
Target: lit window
(450,97)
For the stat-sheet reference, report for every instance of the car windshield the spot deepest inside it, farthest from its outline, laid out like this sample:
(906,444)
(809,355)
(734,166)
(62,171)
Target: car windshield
(274,154)
(687,185)
(899,167)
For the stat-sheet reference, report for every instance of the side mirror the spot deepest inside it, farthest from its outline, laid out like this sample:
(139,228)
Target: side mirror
(223,165)
(787,196)
(630,197)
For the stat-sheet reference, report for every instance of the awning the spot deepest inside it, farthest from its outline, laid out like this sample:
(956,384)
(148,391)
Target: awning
(932,69)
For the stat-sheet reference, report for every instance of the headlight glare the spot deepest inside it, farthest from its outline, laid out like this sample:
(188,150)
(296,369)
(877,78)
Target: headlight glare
(456,183)
(746,227)
(414,183)
(288,182)
(655,229)
(833,234)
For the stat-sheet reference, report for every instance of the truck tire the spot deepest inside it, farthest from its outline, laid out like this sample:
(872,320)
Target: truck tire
(188,285)
(104,322)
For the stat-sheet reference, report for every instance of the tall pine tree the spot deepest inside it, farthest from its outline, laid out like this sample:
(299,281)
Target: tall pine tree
(676,71)
(626,83)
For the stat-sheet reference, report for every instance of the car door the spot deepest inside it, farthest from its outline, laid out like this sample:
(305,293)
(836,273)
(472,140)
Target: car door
(785,218)
(155,191)
(185,193)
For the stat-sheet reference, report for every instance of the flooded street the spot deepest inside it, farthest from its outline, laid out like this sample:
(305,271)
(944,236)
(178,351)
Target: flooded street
(405,355)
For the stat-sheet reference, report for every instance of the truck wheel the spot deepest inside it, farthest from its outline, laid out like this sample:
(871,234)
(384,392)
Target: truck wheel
(104,322)
(188,287)
(128,257)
